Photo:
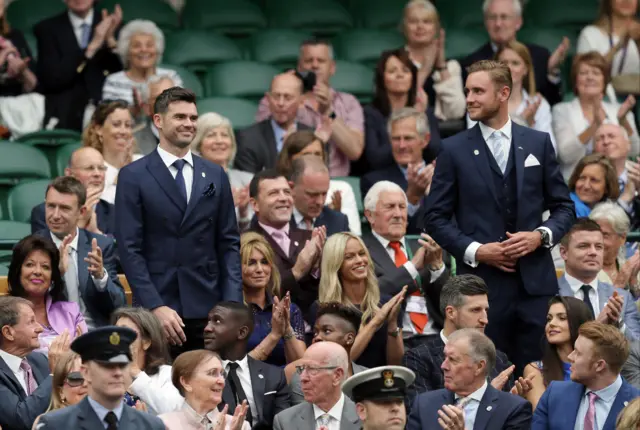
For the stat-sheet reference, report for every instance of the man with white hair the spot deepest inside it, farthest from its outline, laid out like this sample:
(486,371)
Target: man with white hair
(399,262)
(147,137)
(468,401)
(323,369)
(503,19)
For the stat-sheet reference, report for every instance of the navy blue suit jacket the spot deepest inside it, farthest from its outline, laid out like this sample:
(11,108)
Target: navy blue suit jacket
(105,212)
(463,188)
(100,304)
(497,410)
(17,410)
(185,256)
(336,222)
(558,406)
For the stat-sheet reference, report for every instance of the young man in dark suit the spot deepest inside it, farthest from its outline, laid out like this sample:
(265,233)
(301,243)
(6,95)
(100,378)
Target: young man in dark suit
(262,385)
(491,187)
(75,54)
(176,227)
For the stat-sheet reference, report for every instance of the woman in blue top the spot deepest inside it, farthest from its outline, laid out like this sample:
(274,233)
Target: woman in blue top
(594,180)
(278,333)
(564,318)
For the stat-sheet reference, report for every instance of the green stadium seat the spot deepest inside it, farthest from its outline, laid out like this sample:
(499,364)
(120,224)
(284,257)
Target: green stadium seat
(378,14)
(24,197)
(32,43)
(158,11)
(355,79)
(240,112)
(461,14)
(365,46)
(13,230)
(4,269)
(189,79)
(20,162)
(24,14)
(460,43)
(570,15)
(198,50)
(246,79)
(56,137)
(233,18)
(63,154)
(321,17)
(279,48)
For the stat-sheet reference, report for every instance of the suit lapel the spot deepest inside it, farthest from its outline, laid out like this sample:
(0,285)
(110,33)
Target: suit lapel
(397,176)
(272,145)
(379,254)
(349,419)
(8,373)
(84,246)
(563,287)
(297,238)
(38,374)
(480,155)
(604,292)
(519,145)
(484,409)
(621,400)
(167,183)
(196,187)
(257,386)
(67,35)
(227,399)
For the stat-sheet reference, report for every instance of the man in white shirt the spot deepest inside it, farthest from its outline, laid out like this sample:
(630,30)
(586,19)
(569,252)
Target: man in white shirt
(582,251)
(324,370)
(468,401)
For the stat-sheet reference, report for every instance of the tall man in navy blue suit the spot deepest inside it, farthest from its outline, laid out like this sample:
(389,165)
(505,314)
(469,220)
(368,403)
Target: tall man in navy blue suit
(176,227)
(497,179)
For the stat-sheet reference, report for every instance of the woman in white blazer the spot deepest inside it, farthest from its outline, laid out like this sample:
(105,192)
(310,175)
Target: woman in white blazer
(149,370)
(575,122)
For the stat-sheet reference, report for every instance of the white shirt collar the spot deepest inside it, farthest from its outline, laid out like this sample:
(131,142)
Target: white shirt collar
(12,361)
(607,394)
(385,242)
(443,337)
(335,412)
(487,131)
(478,394)
(168,158)
(243,364)
(73,244)
(76,21)
(575,284)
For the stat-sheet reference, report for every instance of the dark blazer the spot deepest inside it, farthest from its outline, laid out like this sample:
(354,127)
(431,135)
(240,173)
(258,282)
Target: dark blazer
(303,291)
(270,392)
(497,410)
(463,188)
(558,406)
(17,410)
(67,79)
(631,369)
(257,148)
(185,256)
(100,304)
(12,87)
(391,279)
(540,57)
(426,360)
(105,212)
(83,417)
(336,222)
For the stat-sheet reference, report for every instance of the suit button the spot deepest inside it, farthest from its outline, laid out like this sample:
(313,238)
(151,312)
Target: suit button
(210,219)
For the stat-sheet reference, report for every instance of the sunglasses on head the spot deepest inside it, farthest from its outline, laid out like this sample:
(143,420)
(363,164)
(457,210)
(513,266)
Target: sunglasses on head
(74,379)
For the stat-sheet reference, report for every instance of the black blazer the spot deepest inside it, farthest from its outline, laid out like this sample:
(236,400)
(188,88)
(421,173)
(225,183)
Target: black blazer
(67,79)
(257,148)
(335,221)
(271,393)
(17,410)
(13,86)
(540,57)
(105,212)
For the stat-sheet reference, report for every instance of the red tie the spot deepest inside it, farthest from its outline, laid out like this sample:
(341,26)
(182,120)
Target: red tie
(419,320)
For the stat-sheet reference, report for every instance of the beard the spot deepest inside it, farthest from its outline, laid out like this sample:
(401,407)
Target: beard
(485,113)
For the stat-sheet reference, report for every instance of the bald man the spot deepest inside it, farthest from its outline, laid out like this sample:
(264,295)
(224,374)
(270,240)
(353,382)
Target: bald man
(86,165)
(260,144)
(147,136)
(323,369)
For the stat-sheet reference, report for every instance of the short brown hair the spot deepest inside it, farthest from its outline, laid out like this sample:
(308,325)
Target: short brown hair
(594,59)
(581,224)
(608,343)
(294,144)
(173,95)
(612,189)
(186,365)
(498,71)
(10,311)
(68,185)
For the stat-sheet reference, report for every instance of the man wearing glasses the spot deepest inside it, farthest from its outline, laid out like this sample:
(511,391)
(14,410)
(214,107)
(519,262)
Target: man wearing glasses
(86,165)
(323,369)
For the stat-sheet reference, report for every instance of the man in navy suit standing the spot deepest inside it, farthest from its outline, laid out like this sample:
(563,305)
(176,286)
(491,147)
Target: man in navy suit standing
(176,227)
(497,179)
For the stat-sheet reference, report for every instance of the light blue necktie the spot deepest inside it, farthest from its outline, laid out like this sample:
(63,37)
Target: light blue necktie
(498,149)
(86,33)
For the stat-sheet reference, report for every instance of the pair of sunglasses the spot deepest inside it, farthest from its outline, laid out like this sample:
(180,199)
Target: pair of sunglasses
(74,379)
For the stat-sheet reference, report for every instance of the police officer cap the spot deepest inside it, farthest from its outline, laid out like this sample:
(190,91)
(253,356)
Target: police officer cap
(107,345)
(379,383)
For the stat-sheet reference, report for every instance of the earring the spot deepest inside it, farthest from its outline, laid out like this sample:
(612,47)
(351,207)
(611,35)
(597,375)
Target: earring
(63,400)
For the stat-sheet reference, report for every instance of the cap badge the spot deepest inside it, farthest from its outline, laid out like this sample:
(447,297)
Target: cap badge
(114,339)
(388,378)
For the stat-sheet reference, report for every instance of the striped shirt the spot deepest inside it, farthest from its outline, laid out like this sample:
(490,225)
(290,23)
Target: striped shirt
(120,86)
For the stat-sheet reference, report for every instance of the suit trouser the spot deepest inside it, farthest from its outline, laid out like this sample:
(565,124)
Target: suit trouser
(194,331)
(516,320)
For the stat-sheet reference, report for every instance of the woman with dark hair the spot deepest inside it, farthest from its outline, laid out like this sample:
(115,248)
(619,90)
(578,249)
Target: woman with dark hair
(16,74)
(564,318)
(395,87)
(594,180)
(35,273)
(149,369)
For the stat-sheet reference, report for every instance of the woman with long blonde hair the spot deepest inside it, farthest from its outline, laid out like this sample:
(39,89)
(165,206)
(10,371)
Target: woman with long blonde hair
(348,277)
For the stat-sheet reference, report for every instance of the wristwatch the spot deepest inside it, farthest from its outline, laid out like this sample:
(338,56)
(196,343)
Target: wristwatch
(394,333)
(544,235)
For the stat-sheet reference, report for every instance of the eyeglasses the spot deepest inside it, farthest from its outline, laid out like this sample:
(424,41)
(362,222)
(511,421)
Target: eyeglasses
(313,370)
(74,379)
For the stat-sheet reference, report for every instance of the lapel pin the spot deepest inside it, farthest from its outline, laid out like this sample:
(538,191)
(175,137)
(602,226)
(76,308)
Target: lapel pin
(626,403)
(520,147)
(489,408)
(203,174)
(476,152)
(260,376)
(295,243)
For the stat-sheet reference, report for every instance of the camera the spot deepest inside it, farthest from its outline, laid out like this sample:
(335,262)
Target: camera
(308,79)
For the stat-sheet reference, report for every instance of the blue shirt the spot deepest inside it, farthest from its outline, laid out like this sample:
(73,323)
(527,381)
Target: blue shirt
(603,404)
(278,133)
(102,412)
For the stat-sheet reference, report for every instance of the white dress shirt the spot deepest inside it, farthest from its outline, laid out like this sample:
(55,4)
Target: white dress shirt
(187,171)
(603,404)
(13,363)
(576,284)
(244,375)
(110,179)
(102,412)
(472,404)
(335,413)
(470,252)
(157,391)
(76,24)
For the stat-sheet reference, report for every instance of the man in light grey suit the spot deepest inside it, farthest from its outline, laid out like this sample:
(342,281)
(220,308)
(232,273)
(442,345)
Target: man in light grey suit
(147,137)
(582,250)
(324,370)
(631,369)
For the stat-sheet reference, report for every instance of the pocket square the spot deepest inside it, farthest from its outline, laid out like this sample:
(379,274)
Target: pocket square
(270,392)
(210,190)
(531,161)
